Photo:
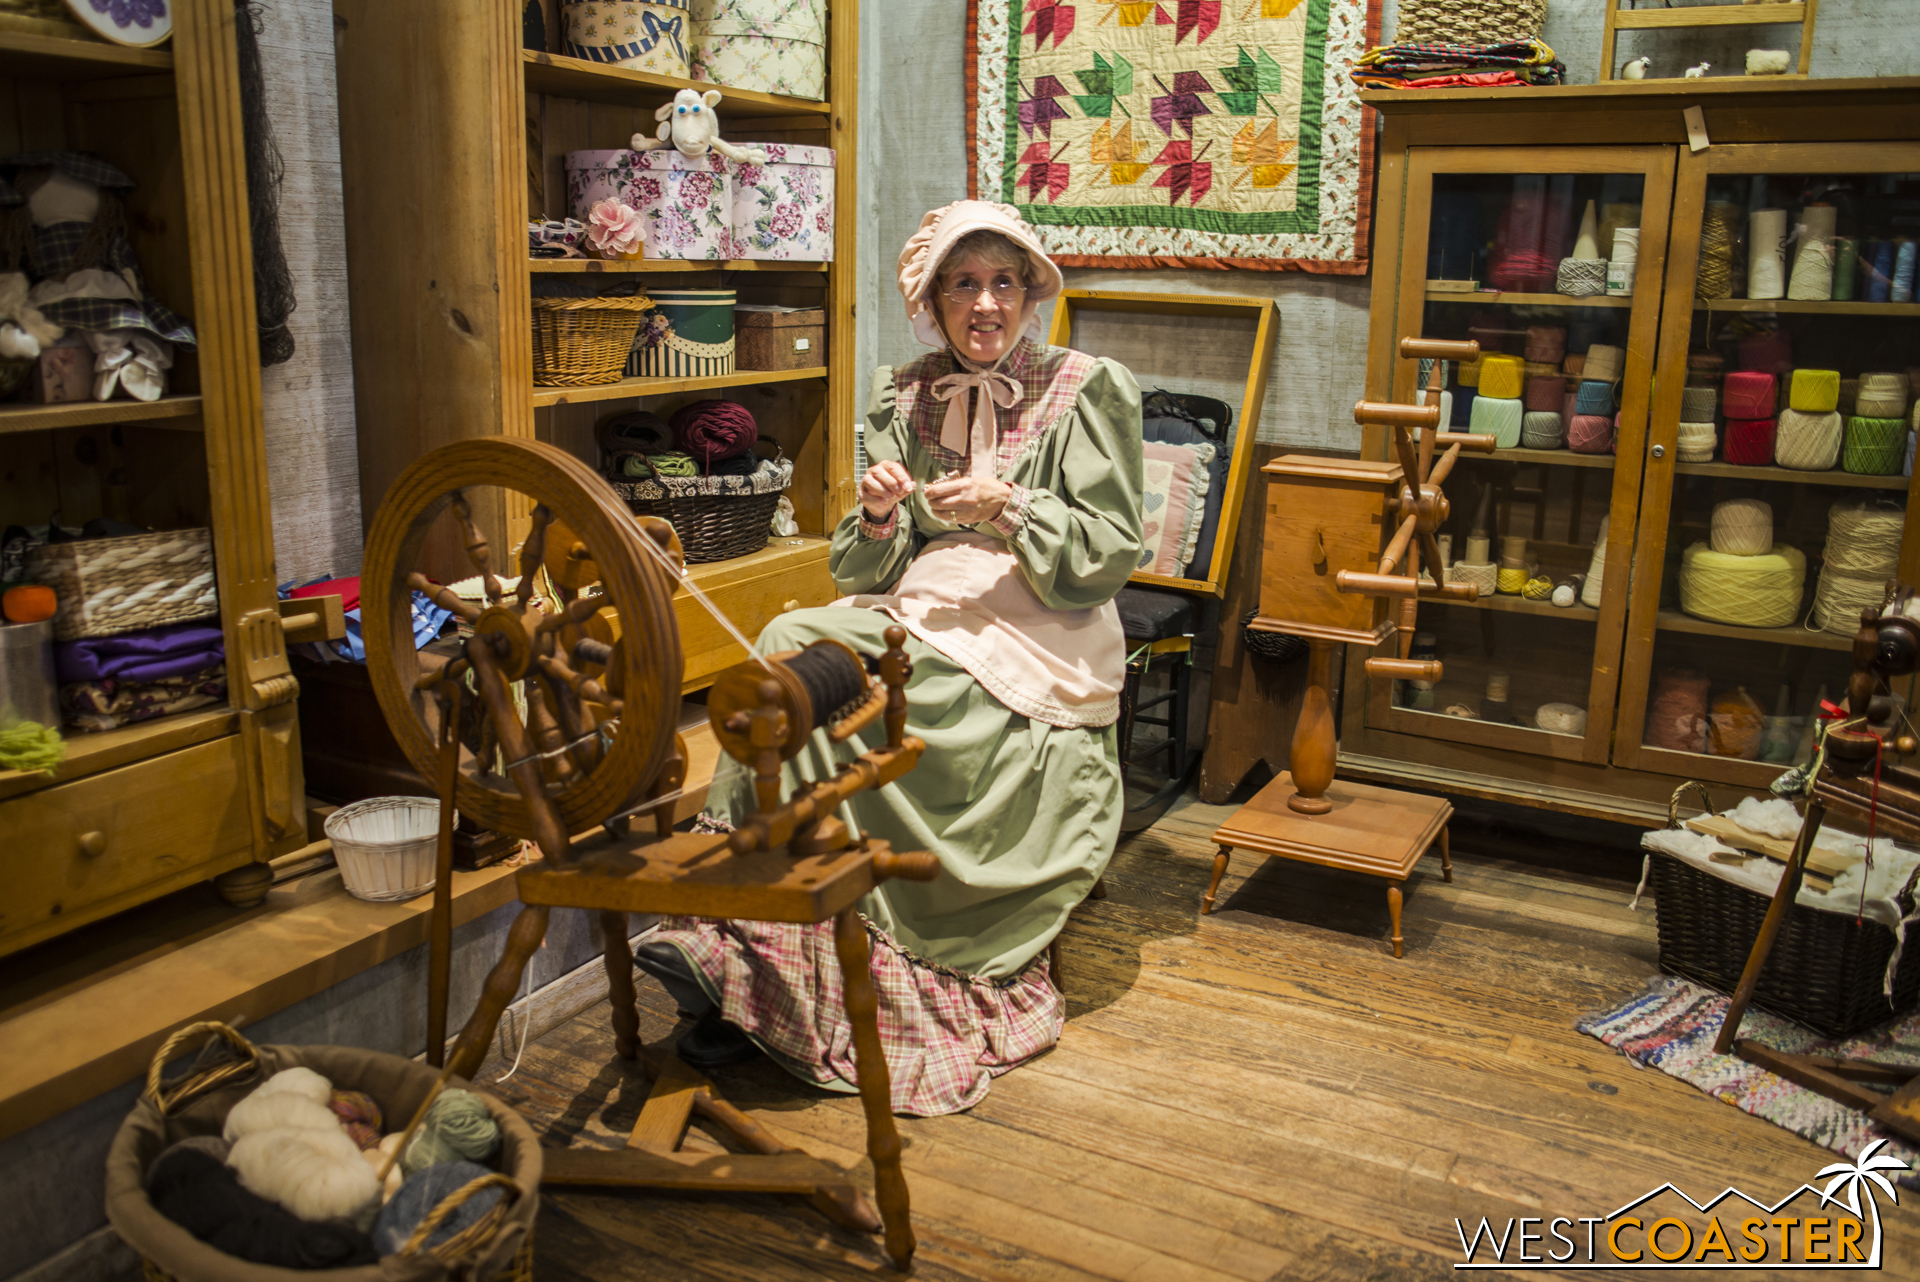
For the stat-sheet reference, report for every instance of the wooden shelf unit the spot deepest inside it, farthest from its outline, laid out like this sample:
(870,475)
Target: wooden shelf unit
(1769,13)
(1793,476)
(1507,604)
(56,57)
(1674,621)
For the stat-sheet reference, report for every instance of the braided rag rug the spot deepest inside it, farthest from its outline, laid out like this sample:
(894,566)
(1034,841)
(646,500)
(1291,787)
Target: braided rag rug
(1672,1025)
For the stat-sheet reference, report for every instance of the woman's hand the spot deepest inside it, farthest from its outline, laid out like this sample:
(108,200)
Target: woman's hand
(968,500)
(884,485)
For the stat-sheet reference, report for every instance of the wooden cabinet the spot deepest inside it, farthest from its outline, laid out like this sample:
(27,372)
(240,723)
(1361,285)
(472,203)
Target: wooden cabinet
(452,137)
(180,798)
(1480,195)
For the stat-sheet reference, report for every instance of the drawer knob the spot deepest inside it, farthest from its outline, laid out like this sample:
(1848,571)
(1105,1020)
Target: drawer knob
(93,844)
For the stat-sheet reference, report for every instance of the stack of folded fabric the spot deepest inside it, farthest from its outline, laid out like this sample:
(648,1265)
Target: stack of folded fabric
(109,682)
(1436,66)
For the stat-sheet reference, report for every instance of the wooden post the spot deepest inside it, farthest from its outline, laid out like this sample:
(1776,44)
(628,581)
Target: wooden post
(440,929)
(876,1091)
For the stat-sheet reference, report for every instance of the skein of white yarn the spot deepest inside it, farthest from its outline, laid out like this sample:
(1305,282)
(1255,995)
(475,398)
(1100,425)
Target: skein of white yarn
(317,1174)
(1596,568)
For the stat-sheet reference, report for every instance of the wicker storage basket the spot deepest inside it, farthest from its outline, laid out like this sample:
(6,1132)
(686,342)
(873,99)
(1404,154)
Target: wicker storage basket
(109,586)
(716,517)
(496,1248)
(579,342)
(1469,22)
(1825,970)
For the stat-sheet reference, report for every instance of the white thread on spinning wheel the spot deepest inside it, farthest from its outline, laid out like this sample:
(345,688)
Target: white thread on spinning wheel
(680,576)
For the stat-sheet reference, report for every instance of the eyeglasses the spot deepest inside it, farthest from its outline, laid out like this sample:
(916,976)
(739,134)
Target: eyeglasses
(967,292)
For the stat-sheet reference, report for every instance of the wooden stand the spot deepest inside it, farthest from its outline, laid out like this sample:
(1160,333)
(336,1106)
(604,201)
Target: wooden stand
(1360,828)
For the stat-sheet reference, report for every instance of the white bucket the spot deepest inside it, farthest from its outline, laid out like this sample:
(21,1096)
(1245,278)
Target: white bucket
(385,846)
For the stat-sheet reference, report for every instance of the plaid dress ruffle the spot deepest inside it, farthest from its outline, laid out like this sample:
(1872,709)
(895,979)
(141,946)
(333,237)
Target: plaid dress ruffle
(945,1035)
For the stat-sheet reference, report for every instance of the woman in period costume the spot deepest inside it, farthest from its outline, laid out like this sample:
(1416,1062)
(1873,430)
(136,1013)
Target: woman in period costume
(999,517)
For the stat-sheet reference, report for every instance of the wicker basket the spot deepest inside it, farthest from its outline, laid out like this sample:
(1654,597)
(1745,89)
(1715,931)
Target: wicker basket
(1825,970)
(580,342)
(716,517)
(1469,22)
(498,1247)
(109,586)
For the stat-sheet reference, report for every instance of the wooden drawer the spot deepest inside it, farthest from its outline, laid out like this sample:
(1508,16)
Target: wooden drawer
(152,828)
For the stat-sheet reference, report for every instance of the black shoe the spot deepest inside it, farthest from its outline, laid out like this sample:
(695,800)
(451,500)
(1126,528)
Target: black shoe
(714,1043)
(669,965)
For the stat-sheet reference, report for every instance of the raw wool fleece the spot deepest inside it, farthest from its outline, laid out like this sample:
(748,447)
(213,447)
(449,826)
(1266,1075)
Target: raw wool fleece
(297,1097)
(317,1174)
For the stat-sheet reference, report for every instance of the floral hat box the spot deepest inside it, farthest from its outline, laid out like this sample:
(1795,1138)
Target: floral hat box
(784,208)
(686,201)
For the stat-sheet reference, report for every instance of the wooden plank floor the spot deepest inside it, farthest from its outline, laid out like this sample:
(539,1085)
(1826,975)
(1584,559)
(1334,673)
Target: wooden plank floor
(1263,1093)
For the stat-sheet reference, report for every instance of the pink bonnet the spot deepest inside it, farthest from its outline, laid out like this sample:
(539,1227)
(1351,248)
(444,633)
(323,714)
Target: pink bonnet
(939,231)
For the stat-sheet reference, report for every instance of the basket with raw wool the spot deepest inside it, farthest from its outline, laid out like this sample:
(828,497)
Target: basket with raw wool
(109,586)
(581,342)
(256,1173)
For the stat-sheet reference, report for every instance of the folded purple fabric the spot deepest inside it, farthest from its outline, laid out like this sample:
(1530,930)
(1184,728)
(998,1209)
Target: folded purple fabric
(152,655)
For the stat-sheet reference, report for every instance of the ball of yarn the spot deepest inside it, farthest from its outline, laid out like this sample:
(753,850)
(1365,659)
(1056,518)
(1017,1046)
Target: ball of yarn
(1538,588)
(1748,394)
(1502,377)
(1581,277)
(316,1174)
(1698,404)
(359,1115)
(457,1127)
(1807,442)
(710,430)
(1500,416)
(1590,434)
(421,1193)
(1547,343)
(1761,591)
(1734,725)
(1750,441)
(1814,391)
(1677,713)
(266,1110)
(1561,718)
(1742,527)
(1874,446)
(1604,364)
(1567,591)
(1543,430)
(1881,396)
(1594,398)
(193,1187)
(1863,535)
(1545,393)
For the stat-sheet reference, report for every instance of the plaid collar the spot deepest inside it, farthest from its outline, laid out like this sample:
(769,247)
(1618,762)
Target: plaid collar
(1050,380)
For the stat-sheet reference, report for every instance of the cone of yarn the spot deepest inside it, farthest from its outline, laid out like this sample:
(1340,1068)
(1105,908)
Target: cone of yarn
(1545,394)
(1677,713)
(1812,275)
(1500,416)
(1696,442)
(1751,591)
(1543,430)
(1581,277)
(1767,254)
(1846,267)
(1697,404)
(1604,364)
(1591,588)
(1874,446)
(1748,394)
(1574,364)
(1734,725)
(1587,243)
(1881,396)
(1547,343)
(1770,352)
(1719,244)
(1594,398)
(1814,391)
(1561,718)
(1750,441)
(1807,442)
(1502,377)
(1590,434)
(1906,257)
(1742,527)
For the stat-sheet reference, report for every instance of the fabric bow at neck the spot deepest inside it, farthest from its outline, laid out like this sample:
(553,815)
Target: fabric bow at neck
(996,388)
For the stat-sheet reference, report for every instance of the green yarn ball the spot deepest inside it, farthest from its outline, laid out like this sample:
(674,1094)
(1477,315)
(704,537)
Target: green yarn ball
(457,1128)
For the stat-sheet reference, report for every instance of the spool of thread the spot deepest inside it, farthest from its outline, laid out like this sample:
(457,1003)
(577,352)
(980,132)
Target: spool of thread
(1561,718)
(1483,574)
(1499,416)
(1623,261)
(1877,262)
(1615,216)
(1808,442)
(1467,374)
(1750,441)
(1545,394)
(1574,364)
(1594,583)
(1874,446)
(1742,527)
(1719,241)
(1734,725)
(1502,377)
(1906,257)
(1567,591)
(1594,398)
(1539,588)
(1863,535)
(1846,266)
(1510,579)
(1581,277)
(1696,442)
(1881,396)
(1751,591)
(1604,364)
(1766,253)
(1543,430)
(1698,404)
(1769,352)
(1626,243)
(1498,686)
(1812,276)
(1748,394)
(1463,406)
(1814,391)
(1547,343)
(1677,713)
(1590,434)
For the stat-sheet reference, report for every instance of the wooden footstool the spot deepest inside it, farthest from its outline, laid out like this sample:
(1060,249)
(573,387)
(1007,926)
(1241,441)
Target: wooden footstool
(1371,830)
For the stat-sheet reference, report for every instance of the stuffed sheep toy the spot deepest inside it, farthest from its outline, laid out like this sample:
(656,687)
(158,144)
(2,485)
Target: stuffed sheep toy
(688,125)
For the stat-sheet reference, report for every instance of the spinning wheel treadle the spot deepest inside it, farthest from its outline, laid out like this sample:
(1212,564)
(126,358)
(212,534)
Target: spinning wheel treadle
(589,743)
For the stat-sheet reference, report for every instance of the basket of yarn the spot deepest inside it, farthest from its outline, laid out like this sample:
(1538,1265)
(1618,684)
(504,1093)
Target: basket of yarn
(580,342)
(271,1158)
(718,489)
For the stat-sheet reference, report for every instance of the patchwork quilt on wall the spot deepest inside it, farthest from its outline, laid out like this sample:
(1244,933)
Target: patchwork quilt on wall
(1176,133)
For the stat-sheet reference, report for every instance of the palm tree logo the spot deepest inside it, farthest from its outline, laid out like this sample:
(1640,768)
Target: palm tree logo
(1862,1173)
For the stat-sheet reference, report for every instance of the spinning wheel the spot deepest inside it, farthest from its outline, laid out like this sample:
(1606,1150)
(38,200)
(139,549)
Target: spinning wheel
(577,692)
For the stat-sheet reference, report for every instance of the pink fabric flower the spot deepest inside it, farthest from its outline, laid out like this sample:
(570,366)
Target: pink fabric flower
(614,228)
